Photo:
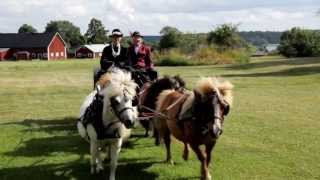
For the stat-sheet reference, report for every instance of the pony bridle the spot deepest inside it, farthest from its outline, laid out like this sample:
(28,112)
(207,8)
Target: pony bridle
(114,103)
(217,126)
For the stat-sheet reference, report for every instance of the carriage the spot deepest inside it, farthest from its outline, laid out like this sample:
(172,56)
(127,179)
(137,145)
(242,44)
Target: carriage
(120,101)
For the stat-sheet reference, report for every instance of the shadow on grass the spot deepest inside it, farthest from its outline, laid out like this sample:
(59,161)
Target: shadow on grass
(272,63)
(299,71)
(50,145)
(51,126)
(68,142)
(78,170)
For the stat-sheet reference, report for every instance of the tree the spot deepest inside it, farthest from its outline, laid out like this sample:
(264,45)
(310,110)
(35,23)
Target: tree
(69,32)
(96,33)
(170,37)
(25,28)
(261,38)
(299,42)
(226,36)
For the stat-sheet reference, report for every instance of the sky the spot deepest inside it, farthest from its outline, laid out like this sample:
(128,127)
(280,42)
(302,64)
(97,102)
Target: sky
(150,16)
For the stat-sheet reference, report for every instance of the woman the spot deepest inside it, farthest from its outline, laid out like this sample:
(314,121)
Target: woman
(139,57)
(114,54)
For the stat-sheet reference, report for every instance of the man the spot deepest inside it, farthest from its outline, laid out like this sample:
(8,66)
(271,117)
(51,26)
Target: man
(114,54)
(139,57)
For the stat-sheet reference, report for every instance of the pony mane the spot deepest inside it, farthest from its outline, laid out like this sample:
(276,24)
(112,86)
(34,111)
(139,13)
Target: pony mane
(180,81)
(209,84)
(116,82)
(165,83)
(104,80)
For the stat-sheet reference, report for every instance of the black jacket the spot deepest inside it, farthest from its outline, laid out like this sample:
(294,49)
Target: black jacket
(107,59)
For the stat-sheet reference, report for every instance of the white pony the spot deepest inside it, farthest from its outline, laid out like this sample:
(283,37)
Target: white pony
(118,116)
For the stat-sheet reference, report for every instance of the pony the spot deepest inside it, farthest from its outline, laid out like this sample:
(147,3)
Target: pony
(148,97)
(117,90)
(207,105)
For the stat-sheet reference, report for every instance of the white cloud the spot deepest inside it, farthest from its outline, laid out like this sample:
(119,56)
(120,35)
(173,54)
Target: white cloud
(150,16)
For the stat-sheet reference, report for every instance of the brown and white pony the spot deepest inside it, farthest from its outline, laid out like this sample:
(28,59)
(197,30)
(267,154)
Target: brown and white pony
(210,102)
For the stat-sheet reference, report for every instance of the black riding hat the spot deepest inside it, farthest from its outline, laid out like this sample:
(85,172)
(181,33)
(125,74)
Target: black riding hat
(116,32)
(136,33)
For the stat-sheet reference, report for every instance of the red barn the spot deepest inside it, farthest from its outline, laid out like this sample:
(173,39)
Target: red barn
(47,46)
(4,53)
(90,51)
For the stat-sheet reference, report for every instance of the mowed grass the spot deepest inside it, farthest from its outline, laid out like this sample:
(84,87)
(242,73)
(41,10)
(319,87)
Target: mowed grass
(272,132)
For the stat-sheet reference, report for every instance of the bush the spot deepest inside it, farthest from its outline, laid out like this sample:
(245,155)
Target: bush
(172,62)
(170,37)
(201,56)
(238,55)
(171,57)
(226,36)
(300,43)
(222,46)
(212,55)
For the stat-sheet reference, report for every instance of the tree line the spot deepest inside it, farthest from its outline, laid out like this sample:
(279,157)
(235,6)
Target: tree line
(96,33)
(294,42)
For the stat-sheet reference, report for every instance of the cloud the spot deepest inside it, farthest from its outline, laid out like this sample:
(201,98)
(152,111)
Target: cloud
(150,16)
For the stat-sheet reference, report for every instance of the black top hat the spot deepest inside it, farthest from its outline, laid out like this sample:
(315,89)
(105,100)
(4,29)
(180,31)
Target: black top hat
(136,33)
(116,32)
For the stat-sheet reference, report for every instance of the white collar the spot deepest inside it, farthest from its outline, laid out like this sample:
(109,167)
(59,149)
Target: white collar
(115,54)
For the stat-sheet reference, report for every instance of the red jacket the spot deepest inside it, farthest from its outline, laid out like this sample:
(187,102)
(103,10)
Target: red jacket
(142,59)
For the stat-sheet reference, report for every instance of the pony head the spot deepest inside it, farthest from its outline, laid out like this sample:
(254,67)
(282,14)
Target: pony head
(118,91)
(212,101)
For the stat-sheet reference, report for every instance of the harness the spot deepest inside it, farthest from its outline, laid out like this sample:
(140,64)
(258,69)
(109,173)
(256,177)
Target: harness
(93,115)
(156,113)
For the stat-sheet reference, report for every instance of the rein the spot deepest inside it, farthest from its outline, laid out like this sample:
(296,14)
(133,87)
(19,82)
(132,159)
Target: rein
(176,102)
(117,113)
(155,113)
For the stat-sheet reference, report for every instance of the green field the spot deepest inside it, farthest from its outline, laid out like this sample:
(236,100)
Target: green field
(272,132)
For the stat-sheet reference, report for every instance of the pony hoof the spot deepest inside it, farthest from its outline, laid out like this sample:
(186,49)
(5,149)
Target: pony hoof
(209,177)
(99,169)
(206,178)
(93,170)
(185,157)
(170,162)
(146,135)
(157,142)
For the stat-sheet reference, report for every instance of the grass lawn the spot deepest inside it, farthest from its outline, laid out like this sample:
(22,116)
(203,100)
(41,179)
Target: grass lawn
(272,132)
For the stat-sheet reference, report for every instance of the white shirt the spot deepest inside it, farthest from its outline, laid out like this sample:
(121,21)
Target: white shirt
(136,48)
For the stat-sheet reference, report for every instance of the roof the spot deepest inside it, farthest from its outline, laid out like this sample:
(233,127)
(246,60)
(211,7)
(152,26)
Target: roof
(271,47)
(95,47)
(25,40)
(4,49)
(259,53)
